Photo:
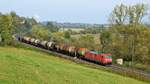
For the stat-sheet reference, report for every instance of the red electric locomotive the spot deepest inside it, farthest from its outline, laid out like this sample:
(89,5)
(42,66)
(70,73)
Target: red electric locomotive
(98,57)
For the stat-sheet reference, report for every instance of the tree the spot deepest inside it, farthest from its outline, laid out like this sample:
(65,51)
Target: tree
(137,12)
(105,39)
(52,27)
(16,21)
(85,41)
(67,35)
(119,15)
(123,14)
(128,34)
(6,28)
(40,32)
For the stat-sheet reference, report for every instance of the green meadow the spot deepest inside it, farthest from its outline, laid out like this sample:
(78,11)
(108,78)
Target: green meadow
(23,66)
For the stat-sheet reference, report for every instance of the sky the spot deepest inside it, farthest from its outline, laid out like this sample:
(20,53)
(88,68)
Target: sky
(75,11)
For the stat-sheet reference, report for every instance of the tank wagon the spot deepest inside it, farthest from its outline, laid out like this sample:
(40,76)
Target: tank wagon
(81,53)
(37,42)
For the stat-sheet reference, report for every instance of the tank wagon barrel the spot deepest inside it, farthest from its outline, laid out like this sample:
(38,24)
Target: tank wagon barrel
(43,44)
(26,39)
(31,41)
(36,42)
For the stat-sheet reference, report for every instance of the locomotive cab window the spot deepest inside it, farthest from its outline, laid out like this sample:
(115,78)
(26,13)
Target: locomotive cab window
(108,57)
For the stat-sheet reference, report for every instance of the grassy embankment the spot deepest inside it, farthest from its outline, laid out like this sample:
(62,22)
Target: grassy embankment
(22,66)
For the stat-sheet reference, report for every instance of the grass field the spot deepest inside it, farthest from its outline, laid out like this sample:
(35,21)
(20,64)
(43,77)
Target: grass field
(22,66)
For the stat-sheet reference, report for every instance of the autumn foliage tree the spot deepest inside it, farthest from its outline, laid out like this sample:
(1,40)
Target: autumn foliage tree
(129,36)
(39,31)
(6,28)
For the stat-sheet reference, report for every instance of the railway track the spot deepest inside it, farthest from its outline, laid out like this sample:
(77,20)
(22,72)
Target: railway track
(130,70)
(142,75)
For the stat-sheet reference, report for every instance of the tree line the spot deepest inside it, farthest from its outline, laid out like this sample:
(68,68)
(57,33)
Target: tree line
(11,24)
(129,36)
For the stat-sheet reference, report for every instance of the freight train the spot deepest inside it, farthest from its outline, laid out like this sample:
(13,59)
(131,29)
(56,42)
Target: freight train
(81,53)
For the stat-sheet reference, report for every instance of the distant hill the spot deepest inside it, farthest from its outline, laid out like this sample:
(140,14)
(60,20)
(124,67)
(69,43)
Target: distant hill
(77,25)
